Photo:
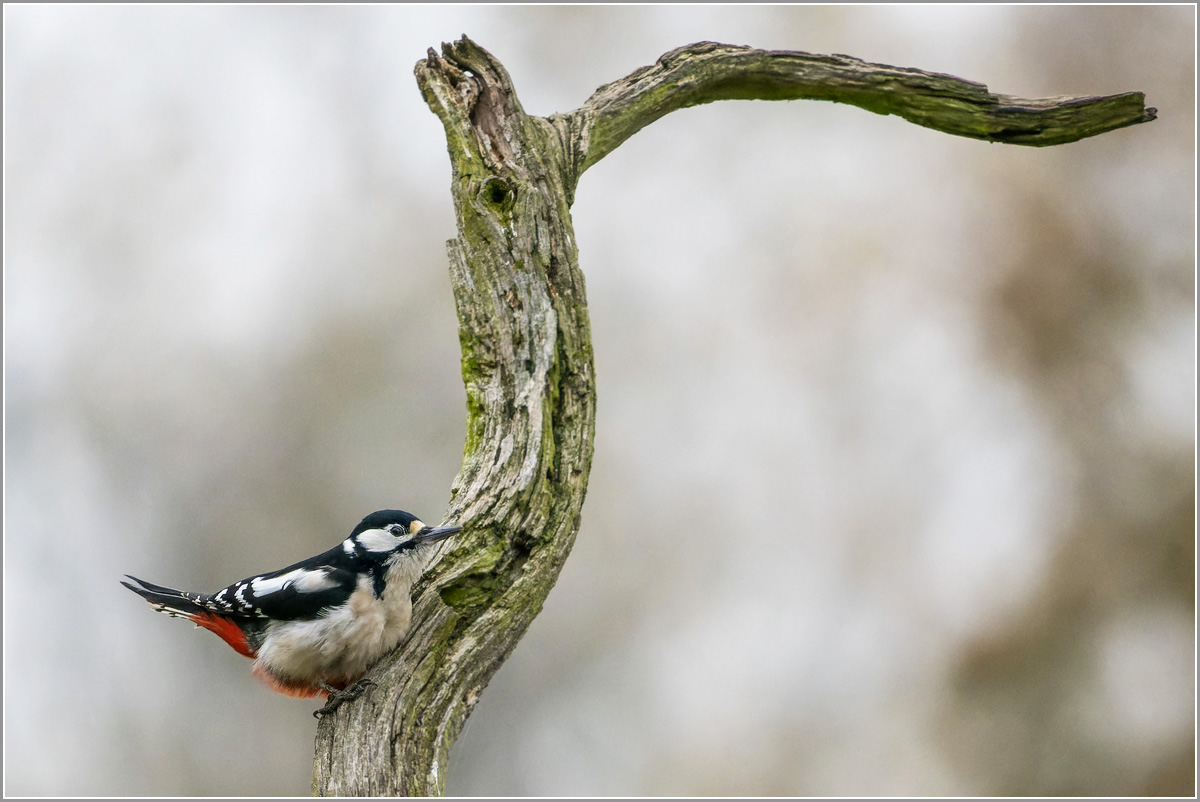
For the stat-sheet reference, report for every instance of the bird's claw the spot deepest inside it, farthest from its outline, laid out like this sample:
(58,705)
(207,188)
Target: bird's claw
(339,697)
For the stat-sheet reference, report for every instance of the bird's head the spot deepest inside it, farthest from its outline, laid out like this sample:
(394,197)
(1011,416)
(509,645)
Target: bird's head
(388,530)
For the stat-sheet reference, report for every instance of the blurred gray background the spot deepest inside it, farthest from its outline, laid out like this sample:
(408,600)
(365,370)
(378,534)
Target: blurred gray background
(893,488)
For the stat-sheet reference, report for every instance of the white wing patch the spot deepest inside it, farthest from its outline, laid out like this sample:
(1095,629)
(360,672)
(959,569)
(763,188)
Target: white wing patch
(314,581)
(377,540)
(304,580)
(262,585)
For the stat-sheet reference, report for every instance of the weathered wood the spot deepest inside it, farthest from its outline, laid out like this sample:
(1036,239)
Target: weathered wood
(527,367)
(527,354)
(706,71)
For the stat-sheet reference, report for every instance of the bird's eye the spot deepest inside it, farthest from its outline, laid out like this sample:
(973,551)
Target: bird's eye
(396,529)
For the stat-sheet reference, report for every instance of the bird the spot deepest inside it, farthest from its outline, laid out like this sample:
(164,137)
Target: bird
(314,628)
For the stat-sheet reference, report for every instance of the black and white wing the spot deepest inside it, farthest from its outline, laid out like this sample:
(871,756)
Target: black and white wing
(301,591)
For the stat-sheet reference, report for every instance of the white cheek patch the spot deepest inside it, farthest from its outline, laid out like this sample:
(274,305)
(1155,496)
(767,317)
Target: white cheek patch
(377,540)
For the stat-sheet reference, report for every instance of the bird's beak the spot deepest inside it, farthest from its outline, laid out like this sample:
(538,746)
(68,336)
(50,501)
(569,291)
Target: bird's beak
(432,534)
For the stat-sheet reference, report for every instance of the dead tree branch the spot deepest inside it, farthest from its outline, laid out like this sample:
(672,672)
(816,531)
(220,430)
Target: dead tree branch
(527,354)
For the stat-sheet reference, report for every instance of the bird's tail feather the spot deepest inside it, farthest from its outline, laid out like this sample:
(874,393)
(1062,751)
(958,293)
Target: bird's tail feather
(181,604)
(173,602)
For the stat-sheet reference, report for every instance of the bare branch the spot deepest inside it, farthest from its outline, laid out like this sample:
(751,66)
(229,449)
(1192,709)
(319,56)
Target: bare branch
(708,71)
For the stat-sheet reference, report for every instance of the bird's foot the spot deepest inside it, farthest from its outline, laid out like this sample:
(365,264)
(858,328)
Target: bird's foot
(338,697)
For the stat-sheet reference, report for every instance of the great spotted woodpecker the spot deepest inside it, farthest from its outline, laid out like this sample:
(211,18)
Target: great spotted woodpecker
(315,627)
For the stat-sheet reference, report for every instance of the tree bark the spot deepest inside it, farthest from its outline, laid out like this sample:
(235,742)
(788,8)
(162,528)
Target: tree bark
(527,354)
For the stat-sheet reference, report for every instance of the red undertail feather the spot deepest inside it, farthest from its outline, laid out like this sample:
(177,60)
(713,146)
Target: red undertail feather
(224,629)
